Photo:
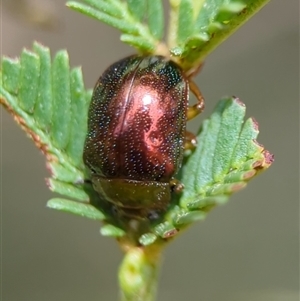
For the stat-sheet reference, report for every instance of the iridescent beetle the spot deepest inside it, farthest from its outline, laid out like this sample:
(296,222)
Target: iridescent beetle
(137,132)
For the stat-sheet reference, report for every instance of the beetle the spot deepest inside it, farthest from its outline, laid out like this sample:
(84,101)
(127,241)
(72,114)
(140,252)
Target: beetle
(137,132)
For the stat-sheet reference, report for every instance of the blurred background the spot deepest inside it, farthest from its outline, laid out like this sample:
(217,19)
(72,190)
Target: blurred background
(247,250)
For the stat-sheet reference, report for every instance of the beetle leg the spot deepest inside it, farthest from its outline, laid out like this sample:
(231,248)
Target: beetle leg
(194,71)
(190,141)
(196,109)
(176,185)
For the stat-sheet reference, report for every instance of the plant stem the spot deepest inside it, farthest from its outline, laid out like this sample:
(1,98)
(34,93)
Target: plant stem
(139,272)
(253,7)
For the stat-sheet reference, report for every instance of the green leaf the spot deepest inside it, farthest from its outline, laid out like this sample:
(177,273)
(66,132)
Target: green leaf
(84,210)
(54,114)
(110,7)
(10,74)
(213,20)
(119,23)
(165,230)
(226,144)
(128,17)
(61,91)
(112,231)
(29,80)
(226,158)
(51,103)
(139,43)
(137,8)
(43,110)
(155,18)
(79,110)
(70,190)
(188,217)
(185,20)
(196,26)
(206,15)
(147,239)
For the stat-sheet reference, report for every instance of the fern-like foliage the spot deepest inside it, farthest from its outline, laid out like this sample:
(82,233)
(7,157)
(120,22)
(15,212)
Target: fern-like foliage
(227,157)
(200,26)
(50,102)
(53,112)
(196,27)
(141,22)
